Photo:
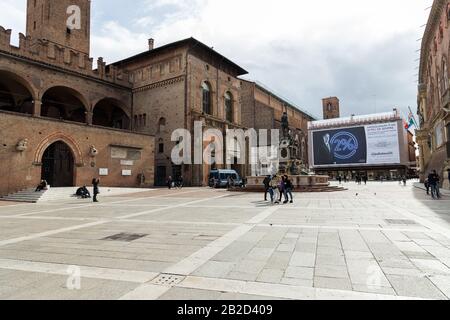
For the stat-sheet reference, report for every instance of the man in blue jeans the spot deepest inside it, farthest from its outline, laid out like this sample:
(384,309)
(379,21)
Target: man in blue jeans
(433,181)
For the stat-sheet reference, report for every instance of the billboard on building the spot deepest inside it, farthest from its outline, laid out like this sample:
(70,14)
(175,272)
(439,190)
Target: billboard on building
(375,144)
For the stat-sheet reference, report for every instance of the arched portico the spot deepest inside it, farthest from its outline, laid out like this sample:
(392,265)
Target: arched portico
(111,113)
(16,94)
(64,103)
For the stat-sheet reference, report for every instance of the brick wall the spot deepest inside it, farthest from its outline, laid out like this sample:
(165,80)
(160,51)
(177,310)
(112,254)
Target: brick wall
(21,170)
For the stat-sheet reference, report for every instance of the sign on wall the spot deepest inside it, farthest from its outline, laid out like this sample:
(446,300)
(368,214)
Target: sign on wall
(103,172)
(126,173)
(364,145)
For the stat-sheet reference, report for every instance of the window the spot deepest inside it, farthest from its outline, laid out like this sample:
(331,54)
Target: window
(229,112)
(438,135)
(68,31)
(34,25)
(161,147)
(145,119)
(161,125)
(135,121)
(444,75)
(206,94)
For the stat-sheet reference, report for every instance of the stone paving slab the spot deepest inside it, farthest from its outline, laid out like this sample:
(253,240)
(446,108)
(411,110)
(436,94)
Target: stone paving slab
(233,246)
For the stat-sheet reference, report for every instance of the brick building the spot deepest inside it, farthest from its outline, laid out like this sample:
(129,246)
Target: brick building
(434,93)
(64,121)
(176,85)
(263,109)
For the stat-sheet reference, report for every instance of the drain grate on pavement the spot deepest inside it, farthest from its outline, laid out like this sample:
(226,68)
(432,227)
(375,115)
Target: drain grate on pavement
(401,222)
(167,280)
(125,237)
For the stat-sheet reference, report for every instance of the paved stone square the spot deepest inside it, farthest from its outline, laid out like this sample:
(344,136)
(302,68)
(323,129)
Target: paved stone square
(380,241)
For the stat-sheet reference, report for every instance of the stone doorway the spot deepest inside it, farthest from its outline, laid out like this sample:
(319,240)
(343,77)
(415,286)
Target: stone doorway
(58,165)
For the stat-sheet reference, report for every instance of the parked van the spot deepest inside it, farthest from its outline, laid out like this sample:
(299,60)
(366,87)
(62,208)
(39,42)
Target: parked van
(219,178)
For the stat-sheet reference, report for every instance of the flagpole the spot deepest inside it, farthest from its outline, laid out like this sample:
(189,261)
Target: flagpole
(414,117)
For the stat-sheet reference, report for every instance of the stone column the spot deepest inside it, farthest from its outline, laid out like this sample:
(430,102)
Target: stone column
(89,116)
(37,108)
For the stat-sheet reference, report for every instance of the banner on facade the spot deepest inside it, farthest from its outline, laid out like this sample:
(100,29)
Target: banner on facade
(373,144)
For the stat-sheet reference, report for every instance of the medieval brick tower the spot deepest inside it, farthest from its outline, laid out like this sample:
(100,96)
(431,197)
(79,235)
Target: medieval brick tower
(331,108)
(65,22)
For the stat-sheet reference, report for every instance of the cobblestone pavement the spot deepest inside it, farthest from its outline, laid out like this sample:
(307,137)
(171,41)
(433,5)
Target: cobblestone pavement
(381,241)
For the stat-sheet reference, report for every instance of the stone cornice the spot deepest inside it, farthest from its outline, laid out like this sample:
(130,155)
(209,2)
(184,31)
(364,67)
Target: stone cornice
(164,83)
(428,37)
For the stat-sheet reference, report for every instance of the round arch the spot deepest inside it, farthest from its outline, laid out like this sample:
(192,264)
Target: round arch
(111,113)
(16,93)
(65,103)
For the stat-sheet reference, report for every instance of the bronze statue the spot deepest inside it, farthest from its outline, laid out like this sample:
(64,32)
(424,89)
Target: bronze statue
(285,125)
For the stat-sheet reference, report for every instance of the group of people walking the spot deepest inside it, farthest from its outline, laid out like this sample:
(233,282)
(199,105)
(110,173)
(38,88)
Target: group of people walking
(277,187)
(359,179)
(432,184)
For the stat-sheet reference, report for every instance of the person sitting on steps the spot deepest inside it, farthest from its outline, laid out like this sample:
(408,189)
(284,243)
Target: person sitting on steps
(42,186)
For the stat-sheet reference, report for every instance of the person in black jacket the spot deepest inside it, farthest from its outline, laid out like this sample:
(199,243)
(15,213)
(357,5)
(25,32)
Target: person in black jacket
(288,187)
(433,181)
(266,183)
(95,184)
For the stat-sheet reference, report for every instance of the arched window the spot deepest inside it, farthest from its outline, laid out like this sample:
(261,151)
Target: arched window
(438,87)
(229,112)
(162,125)
(206,94)
(444,75)
(160,146)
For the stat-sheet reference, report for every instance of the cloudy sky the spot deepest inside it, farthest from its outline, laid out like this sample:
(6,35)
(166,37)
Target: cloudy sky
(362,51)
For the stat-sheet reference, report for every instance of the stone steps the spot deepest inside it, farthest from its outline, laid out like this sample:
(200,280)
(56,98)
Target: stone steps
(64,194)
(28,195)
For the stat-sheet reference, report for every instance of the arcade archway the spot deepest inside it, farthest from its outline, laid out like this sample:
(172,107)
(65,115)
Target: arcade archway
(110,113)
(64,104)
(15,96)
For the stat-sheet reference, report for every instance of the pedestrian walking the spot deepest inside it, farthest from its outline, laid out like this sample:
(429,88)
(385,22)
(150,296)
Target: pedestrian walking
(271,189)
(169,183)
(427,186)
(266,183)
(288,187)
(404,181)
(281,188)
(275,186)
(95,184)
(434,180)
(365,179)
(339,179)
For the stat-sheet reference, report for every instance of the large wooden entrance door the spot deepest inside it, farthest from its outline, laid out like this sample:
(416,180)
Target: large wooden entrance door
(58,165)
